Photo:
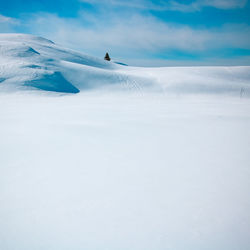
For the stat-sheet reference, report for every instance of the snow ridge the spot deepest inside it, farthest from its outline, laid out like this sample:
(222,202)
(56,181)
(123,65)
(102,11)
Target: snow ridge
(31,62)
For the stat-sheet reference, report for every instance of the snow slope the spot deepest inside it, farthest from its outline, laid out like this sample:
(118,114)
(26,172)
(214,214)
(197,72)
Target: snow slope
(32,62)
(139,159)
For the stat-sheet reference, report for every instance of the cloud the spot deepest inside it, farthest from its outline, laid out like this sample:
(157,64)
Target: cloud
(200,4)
(222,4)
(10,20)
(171,5)
(131,35)
(140,36)
(8,24)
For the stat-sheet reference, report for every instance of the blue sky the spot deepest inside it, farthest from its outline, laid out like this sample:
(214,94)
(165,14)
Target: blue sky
(139,32)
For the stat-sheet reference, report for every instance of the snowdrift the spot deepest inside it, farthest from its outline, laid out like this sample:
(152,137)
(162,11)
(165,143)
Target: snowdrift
(28,62)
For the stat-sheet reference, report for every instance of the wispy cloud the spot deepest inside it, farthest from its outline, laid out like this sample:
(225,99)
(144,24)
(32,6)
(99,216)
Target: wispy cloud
(199,4)
(139,36)
(6,19)
(8,24)
(171,5)
(131,34)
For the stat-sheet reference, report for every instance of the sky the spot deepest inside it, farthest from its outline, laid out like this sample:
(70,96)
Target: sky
(139,32)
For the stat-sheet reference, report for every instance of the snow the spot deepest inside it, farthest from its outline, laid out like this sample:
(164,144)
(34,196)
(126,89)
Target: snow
(118,157)
(35,62)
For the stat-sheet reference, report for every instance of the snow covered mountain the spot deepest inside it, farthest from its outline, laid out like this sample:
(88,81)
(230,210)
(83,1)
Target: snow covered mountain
(28,62)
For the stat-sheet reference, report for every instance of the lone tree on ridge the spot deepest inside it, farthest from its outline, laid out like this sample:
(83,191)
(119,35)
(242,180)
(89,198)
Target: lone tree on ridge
(107,57)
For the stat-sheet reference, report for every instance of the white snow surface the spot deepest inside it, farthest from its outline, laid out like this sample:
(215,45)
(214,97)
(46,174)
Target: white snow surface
(95,155)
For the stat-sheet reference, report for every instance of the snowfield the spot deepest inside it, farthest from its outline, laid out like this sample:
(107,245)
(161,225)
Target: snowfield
(95,155)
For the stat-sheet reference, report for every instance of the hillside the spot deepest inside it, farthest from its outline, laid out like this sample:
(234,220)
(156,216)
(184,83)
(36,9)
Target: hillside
(96,155)
(28,62)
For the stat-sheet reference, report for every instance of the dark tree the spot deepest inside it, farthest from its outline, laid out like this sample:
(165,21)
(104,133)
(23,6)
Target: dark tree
(107,57)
